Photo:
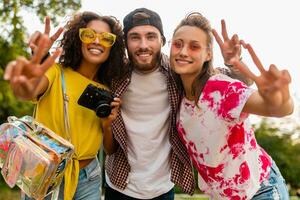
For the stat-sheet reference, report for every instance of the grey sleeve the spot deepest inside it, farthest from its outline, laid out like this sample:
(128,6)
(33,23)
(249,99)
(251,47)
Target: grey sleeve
(235,74)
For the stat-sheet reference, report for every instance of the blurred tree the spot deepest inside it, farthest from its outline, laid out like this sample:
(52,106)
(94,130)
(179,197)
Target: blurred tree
(281,148)
(12,41)
(9,105)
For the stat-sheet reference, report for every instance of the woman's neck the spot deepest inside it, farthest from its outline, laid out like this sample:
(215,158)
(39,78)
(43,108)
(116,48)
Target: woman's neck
(187,82)
(88,70)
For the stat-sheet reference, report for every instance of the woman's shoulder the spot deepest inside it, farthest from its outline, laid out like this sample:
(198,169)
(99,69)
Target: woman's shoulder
(53,71)
(221,77)
(224,80)
(56,66)
(222,83)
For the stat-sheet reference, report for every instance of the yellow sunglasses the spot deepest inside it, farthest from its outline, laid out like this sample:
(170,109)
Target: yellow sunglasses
(88,36)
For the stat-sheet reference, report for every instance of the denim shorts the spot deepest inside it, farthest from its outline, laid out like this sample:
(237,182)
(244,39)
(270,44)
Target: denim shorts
(89,184)
(273,188)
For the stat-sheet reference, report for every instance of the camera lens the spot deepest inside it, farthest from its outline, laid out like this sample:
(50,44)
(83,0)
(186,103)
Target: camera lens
(103,110)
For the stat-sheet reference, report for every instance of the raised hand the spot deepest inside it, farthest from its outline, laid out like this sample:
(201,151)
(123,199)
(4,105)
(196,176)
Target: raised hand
(36,36)
(25,75)
(230,48)
(272,84)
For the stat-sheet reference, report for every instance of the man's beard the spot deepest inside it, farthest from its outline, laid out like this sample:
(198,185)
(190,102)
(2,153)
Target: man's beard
(148,67)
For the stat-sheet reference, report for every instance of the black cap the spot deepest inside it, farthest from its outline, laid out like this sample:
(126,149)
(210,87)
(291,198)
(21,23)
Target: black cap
(146,17)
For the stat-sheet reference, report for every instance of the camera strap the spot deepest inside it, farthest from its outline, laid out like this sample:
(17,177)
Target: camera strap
(65,106)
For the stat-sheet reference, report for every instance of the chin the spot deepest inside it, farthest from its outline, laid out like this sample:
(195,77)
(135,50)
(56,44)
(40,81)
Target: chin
(143,65)
(96,60)
(180,70)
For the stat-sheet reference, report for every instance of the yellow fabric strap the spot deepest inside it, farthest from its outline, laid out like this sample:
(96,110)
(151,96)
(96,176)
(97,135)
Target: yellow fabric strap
(71,179)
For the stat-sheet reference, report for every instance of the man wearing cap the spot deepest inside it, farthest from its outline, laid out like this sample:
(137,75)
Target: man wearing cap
(149,158)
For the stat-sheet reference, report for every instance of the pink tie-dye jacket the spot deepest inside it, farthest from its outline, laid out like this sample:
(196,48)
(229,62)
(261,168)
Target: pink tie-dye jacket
(221,141)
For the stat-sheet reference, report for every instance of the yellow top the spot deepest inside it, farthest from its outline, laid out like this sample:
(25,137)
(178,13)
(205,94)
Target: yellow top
(85,129)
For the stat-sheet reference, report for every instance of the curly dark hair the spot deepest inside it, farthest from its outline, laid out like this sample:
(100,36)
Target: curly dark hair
(114,67)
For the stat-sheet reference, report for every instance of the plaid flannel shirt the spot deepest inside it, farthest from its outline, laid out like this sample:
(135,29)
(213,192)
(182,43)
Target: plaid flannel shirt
(117,166)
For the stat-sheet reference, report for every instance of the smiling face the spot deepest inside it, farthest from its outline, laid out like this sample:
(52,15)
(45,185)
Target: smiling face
(144,46)
(189,51)
(94,53)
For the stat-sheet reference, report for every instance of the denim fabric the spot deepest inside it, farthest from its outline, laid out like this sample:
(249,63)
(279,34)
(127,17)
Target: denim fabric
(111,194)
(89,184)
(274,188)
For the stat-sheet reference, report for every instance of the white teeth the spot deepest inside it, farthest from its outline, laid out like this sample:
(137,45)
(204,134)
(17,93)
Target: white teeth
(182,62)
(144,54)
(95,51)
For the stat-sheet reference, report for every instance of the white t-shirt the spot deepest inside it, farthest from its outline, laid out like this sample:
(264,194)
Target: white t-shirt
(221,142)
(145,110)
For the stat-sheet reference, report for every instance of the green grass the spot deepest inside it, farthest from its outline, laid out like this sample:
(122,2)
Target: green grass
(194,197)
(295,198)
(9,194)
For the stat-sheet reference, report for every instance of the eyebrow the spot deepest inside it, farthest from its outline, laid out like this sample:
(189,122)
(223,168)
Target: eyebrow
(195,41)
(137,34)
(191,41)
(98,32)
(91,29)
(151,33)
(133,34)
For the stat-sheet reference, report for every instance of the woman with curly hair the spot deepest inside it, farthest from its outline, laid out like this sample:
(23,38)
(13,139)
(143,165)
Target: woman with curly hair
(92,52)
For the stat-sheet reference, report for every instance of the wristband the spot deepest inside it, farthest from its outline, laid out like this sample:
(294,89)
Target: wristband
(44,58)
(229,65)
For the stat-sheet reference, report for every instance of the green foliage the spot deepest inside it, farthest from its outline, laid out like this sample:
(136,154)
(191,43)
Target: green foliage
(280,147)
(11,9)
(9,104)
(12,42)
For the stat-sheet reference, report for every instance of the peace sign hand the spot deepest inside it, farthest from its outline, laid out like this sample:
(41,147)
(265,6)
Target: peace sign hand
(25,75)
(272,84)
(230,48)
(36,36)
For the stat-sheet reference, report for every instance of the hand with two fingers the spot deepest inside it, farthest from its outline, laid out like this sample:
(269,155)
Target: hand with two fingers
(230,48)
(25,75)
(272,84)
(37,35)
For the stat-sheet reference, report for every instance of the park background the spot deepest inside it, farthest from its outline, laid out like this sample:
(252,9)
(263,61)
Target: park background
(269,25)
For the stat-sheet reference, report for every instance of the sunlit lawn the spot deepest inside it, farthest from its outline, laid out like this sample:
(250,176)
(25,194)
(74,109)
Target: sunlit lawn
(9,194)
(185,197)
